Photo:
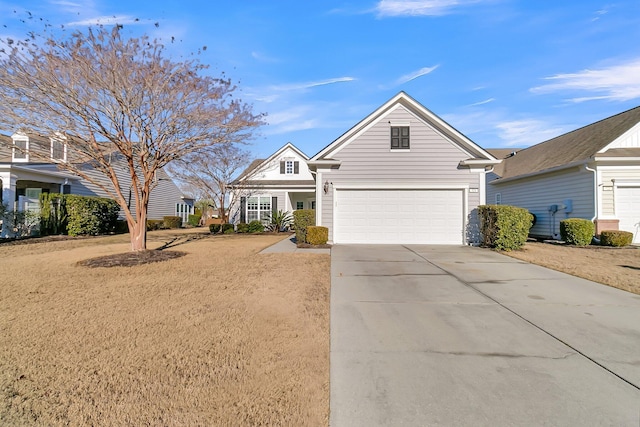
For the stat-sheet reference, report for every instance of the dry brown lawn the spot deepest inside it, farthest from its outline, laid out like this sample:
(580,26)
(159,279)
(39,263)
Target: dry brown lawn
(220,336)
(616,267)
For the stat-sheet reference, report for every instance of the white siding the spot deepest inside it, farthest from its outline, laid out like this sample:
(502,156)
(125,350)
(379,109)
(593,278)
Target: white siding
(538,193)
(629,139)
(609,174)
(368,161)
(271,170)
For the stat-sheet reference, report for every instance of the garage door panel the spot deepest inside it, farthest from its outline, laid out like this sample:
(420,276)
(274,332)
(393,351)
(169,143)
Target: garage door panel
(399,216)
(628,210)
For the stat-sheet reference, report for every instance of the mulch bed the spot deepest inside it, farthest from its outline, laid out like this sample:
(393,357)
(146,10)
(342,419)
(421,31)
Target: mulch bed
(130,259)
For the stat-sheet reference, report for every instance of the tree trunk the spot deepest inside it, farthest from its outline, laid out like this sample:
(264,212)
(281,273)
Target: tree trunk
(138,234)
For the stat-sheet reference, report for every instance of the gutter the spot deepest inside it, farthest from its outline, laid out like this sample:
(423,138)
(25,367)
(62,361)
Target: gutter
(595,191)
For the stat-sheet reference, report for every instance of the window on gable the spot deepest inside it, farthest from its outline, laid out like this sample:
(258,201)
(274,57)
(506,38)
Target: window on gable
(400,138)
(289,167)
(21,149)
(58,150)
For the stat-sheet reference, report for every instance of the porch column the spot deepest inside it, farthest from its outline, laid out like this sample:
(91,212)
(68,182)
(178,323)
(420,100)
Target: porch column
(8,197)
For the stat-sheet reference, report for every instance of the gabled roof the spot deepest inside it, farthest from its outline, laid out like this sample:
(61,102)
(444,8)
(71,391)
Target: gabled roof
(258,163)
(474,150)
(571,148)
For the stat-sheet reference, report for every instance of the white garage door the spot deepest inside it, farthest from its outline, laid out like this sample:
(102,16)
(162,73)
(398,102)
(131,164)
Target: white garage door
(628,210)
(399,216)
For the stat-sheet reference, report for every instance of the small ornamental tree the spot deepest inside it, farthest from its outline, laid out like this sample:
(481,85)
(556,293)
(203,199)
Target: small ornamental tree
(116,103)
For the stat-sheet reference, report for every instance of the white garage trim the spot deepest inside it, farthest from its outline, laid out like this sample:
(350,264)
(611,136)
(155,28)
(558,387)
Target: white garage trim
(456,196)
(627,207)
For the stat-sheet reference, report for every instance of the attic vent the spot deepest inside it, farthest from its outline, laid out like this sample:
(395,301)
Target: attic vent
(513,153)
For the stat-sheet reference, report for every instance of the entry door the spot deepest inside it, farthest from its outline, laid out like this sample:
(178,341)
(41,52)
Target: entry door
(32,199)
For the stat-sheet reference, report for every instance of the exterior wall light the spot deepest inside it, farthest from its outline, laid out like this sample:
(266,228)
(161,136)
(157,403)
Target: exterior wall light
(326,187)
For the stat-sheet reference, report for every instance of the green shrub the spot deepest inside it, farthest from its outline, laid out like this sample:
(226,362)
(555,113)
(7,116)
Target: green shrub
(53,214)
(172,222)
(222,228)
(280,221)
(616,238)
(194,220)
(121,227)
(154,224)
(317,235)
(242,227)
(302,219)
(504,227)
(90,215)
(577,231)
(256,226)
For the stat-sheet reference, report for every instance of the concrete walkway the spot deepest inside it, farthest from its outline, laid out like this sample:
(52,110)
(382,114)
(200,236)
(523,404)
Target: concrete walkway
(288,245)
(462,336)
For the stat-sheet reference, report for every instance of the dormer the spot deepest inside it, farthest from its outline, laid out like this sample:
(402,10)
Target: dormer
(58,150)
(20,149)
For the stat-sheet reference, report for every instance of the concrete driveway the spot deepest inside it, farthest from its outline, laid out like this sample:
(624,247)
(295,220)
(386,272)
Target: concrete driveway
(443,335)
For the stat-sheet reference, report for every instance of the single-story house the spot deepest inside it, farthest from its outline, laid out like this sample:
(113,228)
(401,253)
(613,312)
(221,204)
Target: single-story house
(592,172)
(24,177)
(282,181)
(401,175)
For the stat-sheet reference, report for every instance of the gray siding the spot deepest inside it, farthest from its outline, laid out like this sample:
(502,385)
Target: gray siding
(538,193)
(368,160)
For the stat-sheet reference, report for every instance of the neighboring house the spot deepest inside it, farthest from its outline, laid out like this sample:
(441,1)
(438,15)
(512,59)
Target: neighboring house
(592,173)
(23,177)
(281,182)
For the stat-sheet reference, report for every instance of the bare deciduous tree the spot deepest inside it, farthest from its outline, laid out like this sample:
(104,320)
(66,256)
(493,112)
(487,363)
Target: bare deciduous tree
(211,173)
(117,100)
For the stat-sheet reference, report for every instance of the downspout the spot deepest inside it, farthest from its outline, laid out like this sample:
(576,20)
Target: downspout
(595,191)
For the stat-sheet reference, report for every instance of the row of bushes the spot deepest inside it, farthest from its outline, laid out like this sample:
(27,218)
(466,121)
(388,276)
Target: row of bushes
(580,232)
(507,228)
(304,223)
(77,215)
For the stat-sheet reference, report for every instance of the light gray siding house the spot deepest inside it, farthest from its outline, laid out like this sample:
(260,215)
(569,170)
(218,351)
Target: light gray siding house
(24,176)
(401,175)
(591,173)
(280,182)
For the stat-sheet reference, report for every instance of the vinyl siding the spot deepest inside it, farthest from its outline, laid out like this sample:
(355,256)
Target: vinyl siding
(368,161)
(608,193)
(536,194)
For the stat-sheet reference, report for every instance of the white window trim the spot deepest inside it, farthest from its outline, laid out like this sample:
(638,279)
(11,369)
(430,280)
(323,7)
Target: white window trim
(259,211)
(288,163)
(13,149)
(64,149)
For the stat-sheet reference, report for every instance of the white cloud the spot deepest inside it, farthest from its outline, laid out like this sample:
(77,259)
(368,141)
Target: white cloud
(419,7)
(412,76)
(309,85)
(106,20)
(486,101)
(620,82)
(526,132)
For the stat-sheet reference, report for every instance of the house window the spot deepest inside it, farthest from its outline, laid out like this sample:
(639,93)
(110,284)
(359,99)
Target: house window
(498,198)
(183,210)
(258,208)
(58,150)
(289,167)
(299,205)
(21,149)
(399,137)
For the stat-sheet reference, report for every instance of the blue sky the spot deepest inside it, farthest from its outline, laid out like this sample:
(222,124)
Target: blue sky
(505,73)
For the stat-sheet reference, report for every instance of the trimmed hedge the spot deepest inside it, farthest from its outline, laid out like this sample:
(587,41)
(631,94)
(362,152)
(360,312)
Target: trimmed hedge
(256,226)
(90,215)
(577,231)
(172,222)
(53,214)
(194,220)
(221,228)
(302,219)
(504,227)
(317,235)
(154,224)
(617,238)
(242,227)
